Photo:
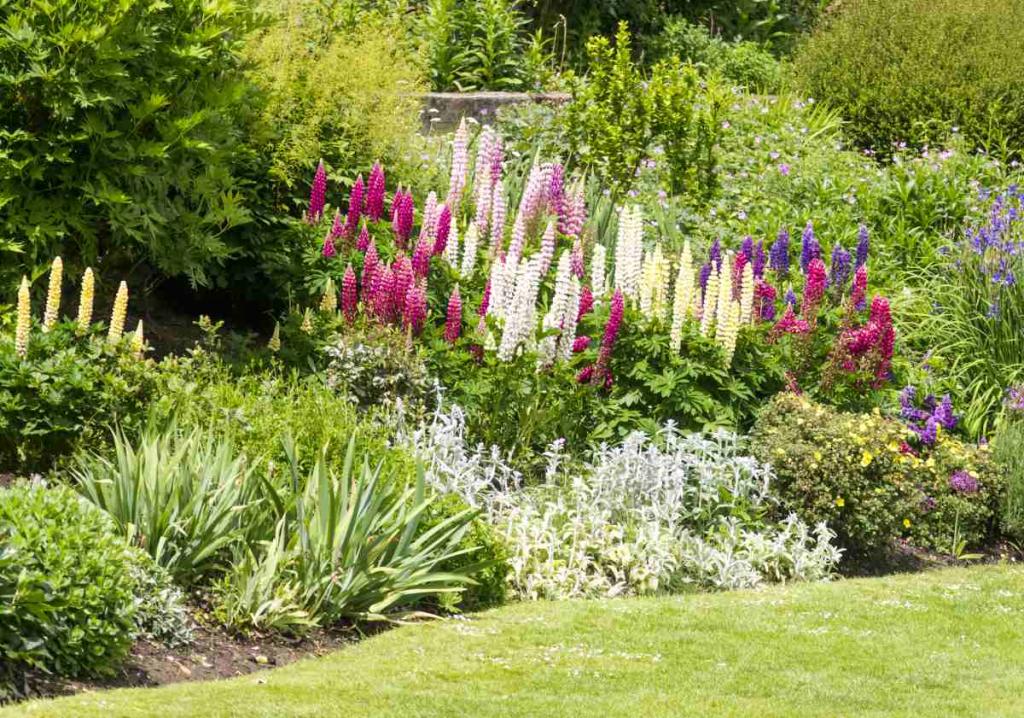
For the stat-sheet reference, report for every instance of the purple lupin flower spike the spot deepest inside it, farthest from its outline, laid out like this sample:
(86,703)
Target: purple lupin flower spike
(810,249)
(747,248)
(778,255)
(863,245)
(839,272)
(715,254)
(760,260)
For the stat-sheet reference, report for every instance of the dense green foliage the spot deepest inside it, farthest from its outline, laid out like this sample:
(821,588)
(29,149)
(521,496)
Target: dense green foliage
(66,584)
(616,114)
(859,473)
(745,63)
(66,391)
(915,70)
(1008,453)
(117,133)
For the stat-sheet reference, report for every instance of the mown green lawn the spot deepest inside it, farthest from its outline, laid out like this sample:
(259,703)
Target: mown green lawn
(945,643)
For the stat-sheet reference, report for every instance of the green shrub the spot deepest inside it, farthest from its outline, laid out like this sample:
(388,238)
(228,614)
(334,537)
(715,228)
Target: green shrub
(744,63)
(486,554)
(65,392)
(181,497)
(253,409)
(1008,452)
(117,132)
(617,114)
(73,604)
(857,473)
(344,93)
(475,45)
(912,70)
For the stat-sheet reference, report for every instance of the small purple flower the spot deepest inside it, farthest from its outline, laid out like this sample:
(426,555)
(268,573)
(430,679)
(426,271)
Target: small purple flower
(1015,398)
(928,504)
(784,169)
(963,483)
(929,433)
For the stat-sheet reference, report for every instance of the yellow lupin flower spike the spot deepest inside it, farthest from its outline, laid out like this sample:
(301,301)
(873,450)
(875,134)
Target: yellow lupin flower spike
(85,301)
(329,303)
(117,316)
(24,319)
(274,344)
(138,341)
(307,321)
(53,295)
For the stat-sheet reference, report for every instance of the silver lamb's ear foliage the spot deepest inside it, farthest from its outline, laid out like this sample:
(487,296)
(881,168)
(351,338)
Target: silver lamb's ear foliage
(650,514)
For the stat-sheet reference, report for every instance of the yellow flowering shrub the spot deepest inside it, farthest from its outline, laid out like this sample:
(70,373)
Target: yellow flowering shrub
(861,474)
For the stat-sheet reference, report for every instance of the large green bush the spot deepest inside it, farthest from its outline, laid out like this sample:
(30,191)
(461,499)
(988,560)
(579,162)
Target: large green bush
(116,136)
(859,474)
(912,70)
(67,588)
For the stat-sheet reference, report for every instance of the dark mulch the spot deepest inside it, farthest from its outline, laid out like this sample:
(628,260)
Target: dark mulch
(213,654)
(904,558)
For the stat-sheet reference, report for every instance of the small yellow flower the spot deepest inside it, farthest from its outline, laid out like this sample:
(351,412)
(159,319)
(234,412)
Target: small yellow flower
(906,523)
(817,456)
(840,502)
(893,447)
(866,458)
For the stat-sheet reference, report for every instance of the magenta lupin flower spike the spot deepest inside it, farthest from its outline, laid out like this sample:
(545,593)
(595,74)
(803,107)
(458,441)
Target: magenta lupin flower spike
(370,262)
(337,228)
(317,195)
(586,303)
(485,300)
(349,294)
(375,191)
(328,250)
(453,320)
(421,257)
(442,229)
(415,307)
(404,278)
(363,243)
(355,206)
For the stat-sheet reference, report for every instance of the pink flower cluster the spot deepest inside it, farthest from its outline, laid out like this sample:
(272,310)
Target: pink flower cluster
(870,347)
(600,372)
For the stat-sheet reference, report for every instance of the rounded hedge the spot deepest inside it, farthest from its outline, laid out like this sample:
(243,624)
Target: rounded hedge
(67,587)
(913,70)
